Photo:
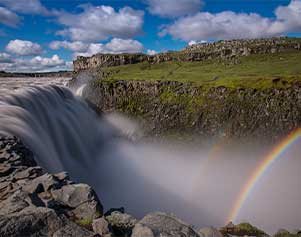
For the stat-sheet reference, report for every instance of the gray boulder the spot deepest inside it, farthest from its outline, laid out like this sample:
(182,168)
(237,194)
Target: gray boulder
(100,226)
(70,229)
(210,232)
(81,199)
(162,224)
(141,230)
(31,221)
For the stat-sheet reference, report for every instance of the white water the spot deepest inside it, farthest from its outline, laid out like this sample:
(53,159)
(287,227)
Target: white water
(66,134)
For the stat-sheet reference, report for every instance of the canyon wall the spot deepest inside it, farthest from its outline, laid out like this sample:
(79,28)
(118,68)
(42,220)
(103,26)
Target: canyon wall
(221,50)
(174,108)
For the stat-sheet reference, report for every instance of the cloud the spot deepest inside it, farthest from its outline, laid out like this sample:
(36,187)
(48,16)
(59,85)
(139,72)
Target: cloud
(36,64)
(73,46)
(172,8)
(8,18)
(23,47)
(151,52)
(25,6)
(116,45)
(100,23)
(5,58)
(228,24)
(124,46)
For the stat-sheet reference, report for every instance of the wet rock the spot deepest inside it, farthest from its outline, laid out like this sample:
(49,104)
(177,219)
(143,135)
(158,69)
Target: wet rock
(121,223)
(100,226)
(81,198)
(162,224)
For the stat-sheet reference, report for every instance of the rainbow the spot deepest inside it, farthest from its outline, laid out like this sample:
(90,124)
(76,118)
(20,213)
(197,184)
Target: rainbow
(260,170)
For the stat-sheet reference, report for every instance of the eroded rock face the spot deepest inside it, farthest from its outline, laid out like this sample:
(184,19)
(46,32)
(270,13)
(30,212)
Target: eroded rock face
(36,203)
(164,106)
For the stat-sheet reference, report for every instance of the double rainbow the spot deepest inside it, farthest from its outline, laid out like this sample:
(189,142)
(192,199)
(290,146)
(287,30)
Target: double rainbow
(260,170)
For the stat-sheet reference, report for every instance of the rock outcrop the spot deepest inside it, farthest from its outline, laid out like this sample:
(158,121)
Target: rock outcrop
(183,108)
(36,203)
(221,50)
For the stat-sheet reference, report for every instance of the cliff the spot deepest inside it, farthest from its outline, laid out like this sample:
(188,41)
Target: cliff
(221,50)
(175,108)
(197,91)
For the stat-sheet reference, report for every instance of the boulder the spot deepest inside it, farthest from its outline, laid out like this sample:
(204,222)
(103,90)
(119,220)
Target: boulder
(162,224)
(31,221)
(121,223)
(142,231)
(81,199)
(100,226)
(70,229)
(210,232)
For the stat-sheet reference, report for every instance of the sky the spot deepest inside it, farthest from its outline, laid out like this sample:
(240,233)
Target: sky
(46,35)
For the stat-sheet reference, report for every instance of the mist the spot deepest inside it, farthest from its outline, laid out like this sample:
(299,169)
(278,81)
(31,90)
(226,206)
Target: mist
(199,184)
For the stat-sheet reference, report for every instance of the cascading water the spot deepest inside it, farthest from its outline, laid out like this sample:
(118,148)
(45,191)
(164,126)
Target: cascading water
(65,133)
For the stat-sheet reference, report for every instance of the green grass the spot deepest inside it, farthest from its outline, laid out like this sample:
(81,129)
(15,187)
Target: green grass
(256,71)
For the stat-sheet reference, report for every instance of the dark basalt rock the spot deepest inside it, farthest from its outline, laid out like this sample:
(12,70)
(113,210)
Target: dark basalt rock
(36,203)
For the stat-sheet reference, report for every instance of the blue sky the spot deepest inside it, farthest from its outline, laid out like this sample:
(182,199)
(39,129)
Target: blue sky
(44,35)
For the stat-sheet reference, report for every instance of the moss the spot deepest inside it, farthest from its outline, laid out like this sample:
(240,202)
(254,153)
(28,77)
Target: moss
(85,222)
(248,228)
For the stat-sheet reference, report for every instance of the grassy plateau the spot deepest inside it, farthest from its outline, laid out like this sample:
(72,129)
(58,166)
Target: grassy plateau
(255,71)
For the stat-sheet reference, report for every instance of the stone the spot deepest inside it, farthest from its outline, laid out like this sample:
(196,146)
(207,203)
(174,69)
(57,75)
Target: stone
(81,198)
(5,169)
(210,232)
(100,226)
(142,231)
(121,223)
(31,221)
(162,224)
(72,230)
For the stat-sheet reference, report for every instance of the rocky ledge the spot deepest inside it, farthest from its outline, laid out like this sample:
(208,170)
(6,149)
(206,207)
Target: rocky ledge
(36,203)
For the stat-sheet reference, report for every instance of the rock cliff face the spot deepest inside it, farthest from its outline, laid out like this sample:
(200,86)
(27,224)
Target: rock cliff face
(167,107)
(229,50)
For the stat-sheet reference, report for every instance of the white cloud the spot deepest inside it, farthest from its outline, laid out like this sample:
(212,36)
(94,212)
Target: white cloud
(124,46)
(8,18)
(23,47)
(87,49)
(174,8)
(73,46)
(25,6)
(36,64)
(151,52)
(100,23)
(5,58)
(228,24)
